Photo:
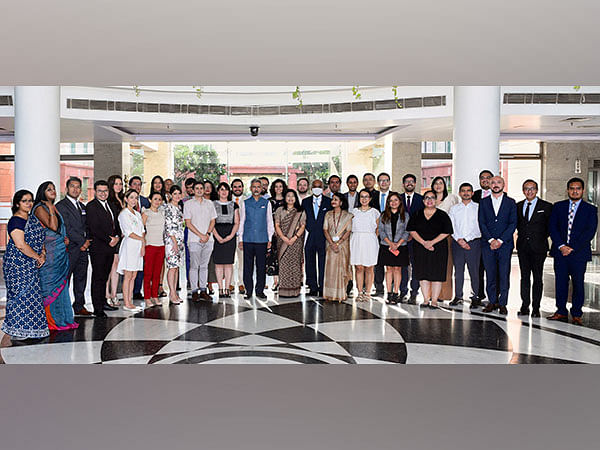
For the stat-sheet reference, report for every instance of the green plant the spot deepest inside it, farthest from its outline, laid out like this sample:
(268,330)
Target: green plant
(297,95)
(137,91)
(576,87)
(198,90)
(396,99)
(201,161)
(356,93)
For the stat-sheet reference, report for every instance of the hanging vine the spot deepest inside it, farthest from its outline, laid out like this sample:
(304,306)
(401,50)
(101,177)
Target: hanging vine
(356,92)
(137,90)
(297,95)
(198,90)
(396,99)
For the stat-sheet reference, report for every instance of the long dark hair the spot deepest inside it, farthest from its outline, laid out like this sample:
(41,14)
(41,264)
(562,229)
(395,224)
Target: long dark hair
(40,195)
(162,191)
(343,200)
(213,192)
(445,187)
(113,197)
(272,188)
(18,197)
(297,205)
(387,213)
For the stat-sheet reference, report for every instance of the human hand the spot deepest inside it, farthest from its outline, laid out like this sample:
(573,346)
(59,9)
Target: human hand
(241,245)
(114,240)
(566,250)
(268,245)
(66,240)
(143,250)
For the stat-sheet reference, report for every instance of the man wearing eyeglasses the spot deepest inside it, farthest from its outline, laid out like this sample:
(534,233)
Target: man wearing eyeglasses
(485,178)
(533,217)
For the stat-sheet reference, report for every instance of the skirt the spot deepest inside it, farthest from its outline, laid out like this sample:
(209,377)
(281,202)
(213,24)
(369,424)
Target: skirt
(224,253)
(364,249)
(388,259)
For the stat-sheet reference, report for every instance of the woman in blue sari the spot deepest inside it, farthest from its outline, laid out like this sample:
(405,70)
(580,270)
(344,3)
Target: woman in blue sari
(54,275)
(25,318)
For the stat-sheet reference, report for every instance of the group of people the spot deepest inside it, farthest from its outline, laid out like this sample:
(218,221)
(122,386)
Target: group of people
(316,235)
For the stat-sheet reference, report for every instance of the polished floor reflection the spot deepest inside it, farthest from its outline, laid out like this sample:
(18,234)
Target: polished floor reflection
(307,331)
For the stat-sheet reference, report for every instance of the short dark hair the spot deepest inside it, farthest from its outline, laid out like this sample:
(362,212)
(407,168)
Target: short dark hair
(486,171)
(334,176)
(383,174)
(364,190)
(73,179)
(529,180)
(196,183)
(236,180)
(303,178)
(407,176)
(189,181)
(576,180)
(100,183)
(343,200)
(264,178)
(135,177)
(174,188)
(152,194)
(129,192)
(469,185)
(369,174)
(226,186)
(18,197)
(349,177)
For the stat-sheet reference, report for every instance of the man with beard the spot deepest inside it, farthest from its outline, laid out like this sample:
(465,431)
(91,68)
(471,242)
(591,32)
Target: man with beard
(302,185)
(264,183)
(352,195)
(485,177)
(237,189)
(497,222)
(413,202)
(335,184)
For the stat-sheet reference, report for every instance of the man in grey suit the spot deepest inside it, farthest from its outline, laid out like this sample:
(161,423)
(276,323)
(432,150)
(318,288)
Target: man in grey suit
(73,214)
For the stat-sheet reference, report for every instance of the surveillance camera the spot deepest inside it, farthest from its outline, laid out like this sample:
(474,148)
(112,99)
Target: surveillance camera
(254,131)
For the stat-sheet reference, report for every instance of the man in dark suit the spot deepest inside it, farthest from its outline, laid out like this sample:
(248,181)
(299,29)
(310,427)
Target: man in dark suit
(135,183)
(573,224)
(103,231)
(485,178)
(74,215)
(315,207)
(369,184)
(413,202)
(352,194)
(533,216)
(384,181)
(497,222)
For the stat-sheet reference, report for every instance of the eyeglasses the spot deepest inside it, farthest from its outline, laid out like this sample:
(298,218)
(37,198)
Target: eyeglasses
(428,198)
(485,177)
(530,189)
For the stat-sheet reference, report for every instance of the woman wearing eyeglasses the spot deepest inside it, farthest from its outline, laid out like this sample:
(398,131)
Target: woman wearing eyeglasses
(429,229)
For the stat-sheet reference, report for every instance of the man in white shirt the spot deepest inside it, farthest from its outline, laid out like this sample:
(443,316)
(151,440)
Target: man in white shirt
(199,215)
(237,189)
(466,244)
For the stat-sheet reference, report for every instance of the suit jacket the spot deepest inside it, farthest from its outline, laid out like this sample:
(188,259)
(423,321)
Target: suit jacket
(533,233)
(100,227)
(374,203)
(144,202)
(583,230)
(315,226)
(415,205)
(356,201)
(501,226)
(477,196)
(75,222)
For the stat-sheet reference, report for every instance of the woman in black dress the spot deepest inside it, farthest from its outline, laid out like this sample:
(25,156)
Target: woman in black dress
(226,227)
(277,190)
(429,229)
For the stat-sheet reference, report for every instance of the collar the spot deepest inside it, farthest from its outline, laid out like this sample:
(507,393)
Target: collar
(73,200)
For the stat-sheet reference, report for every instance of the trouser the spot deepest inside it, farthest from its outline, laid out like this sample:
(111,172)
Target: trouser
(199,258)
(239,265)
(139,282)
(497,269)
(379,275)
(481,292)
(471,258)
(102,262)
(255,253)
(531,264)
(414,283)
(153,262)
(311,252)
(187,253)
(566,267)
(78,268)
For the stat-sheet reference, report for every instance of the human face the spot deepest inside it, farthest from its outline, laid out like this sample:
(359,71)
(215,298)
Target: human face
(256,188)
(530,191)
(384,183)
(136,185)
(50,193)
(237,188)
(189,189)
(485,180)
(409,185)
(575,191)
(156,201)
(265,186)
(118,186)
(369,182)
(364,199)
(352,184)
(157,185)
(102,193)
(207,190)
(199,191)
(278,188)
(438,186)
(317,184)
(223,193)
(74,190)
(168,184)
(26,203)
(335,202)
(334,185)
(394,202)
(132,200)
(290,199)
(429,200)
(466,193)
(497,184)
(176,197)
(302,186)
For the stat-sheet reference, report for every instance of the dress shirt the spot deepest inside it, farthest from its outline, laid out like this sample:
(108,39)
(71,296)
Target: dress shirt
(270,225)
(531,207)
(465,221)
(409,199)
(316,205)
(496,202)
(574,214)
(486,193)
(75,203)
(104,204)
(382,198)
(351,199)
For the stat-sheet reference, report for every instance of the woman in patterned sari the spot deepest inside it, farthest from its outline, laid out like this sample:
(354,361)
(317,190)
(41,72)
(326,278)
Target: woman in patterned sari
(290,221)
(25,318)
(54,275)
(337,228)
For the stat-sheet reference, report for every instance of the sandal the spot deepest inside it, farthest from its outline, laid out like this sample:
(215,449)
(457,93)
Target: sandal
(227,293)
(161,291)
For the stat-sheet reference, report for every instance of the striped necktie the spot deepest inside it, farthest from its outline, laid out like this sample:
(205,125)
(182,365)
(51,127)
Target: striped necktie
(571,218)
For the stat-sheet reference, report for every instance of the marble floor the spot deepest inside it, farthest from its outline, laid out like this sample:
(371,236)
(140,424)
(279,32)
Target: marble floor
(304,330)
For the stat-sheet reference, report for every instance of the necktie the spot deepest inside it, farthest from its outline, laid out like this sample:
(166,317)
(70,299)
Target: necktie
(237,201)
(109,213)
(571,217)
(382,202)
(527,211)
(408,202)
(316,207)
(79,208)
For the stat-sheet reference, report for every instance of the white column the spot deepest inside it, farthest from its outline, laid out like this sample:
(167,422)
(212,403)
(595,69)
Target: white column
(37,136)
(476,133)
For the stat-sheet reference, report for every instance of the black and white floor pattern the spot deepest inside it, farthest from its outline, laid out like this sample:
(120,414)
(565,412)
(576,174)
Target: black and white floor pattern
(304,331)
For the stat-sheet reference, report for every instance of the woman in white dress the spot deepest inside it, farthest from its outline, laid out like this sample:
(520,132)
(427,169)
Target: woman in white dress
(445,201)
(133,247)
(364,245)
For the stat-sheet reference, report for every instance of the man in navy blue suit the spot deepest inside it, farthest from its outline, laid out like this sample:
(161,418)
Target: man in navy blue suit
(315,206)
(573,224)
(413,202)
(497,222)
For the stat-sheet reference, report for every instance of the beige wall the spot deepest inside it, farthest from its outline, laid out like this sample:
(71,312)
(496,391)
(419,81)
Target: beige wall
(406,158)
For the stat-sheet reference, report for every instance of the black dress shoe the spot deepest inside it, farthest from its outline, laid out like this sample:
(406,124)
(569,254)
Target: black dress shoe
(107,307)
(262,295)
(523,312)
(349,287)
(313,293)
(475,303)
(457,301)
(378,293)
(489,308)
(248,296)
(100,314)
(412,300)
(138,296)
(535,313)
(502,310)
